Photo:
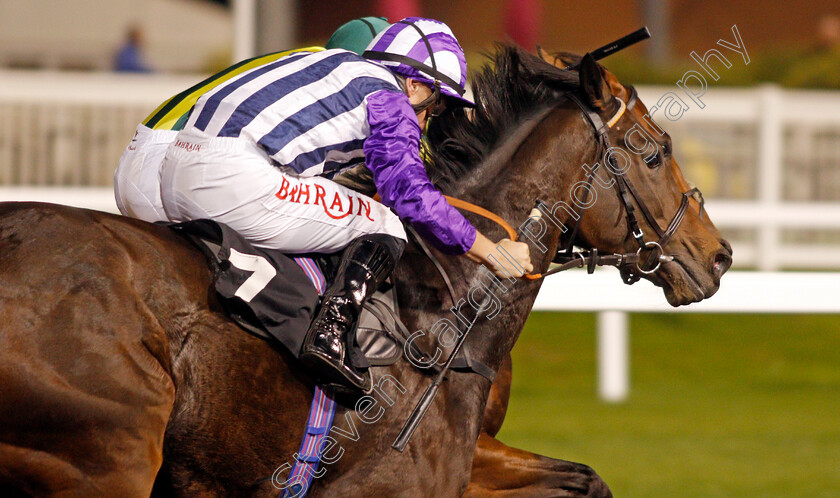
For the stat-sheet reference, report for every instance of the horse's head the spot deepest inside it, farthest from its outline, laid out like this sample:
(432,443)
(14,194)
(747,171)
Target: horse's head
(646,185)
(533,136)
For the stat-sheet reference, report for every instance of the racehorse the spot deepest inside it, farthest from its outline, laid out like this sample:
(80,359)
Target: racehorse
(121,375)
(505,471)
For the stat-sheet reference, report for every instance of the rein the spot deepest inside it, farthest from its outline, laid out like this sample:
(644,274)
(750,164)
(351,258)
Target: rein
(472,208)
(630,262)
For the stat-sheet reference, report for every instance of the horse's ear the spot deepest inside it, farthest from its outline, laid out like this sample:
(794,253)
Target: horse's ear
(559,59)
(594,84)
(566,59)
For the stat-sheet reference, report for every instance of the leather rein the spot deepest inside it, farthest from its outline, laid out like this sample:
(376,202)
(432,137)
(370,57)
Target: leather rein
(634,264)
(631,264)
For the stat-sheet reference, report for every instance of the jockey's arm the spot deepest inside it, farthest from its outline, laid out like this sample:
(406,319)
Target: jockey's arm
(392,155)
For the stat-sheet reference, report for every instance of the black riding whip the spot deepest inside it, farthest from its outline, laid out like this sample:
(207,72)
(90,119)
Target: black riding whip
(610,48)
(428,397)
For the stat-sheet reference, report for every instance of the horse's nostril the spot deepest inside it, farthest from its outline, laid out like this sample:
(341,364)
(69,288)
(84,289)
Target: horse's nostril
(722,262)
(727,246)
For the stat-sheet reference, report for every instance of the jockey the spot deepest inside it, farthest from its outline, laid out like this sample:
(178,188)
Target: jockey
(257,153)
(137,177)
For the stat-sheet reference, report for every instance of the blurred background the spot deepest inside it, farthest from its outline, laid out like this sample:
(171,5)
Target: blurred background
(711,404)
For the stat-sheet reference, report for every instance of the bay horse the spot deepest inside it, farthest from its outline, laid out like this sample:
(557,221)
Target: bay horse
(121,376)
(499,470)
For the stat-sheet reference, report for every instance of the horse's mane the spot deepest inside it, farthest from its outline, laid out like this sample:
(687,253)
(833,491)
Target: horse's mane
(514,85)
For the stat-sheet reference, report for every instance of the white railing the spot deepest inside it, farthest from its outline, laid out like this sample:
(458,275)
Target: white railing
(767,159)
(69,129)
(740,292)
(788,180)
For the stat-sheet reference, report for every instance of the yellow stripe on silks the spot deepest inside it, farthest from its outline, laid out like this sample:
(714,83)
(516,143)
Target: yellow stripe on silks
(186,102)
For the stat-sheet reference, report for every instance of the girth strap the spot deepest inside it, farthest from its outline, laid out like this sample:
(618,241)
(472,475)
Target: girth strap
(321,414)
(308,457)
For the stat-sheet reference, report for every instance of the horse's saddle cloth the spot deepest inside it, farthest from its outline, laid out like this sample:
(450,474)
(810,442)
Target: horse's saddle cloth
(268,294)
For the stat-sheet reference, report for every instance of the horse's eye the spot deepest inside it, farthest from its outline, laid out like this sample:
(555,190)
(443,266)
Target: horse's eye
(654,161)
(667,150)
(663,153)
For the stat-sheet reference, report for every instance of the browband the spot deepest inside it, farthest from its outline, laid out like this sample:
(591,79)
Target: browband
(622,107)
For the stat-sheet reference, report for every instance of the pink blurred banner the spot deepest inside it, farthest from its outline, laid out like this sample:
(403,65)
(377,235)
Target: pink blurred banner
(394,10)
(521,21)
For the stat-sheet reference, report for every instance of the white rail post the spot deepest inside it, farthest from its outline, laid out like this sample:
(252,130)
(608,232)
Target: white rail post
(770,137)
(613,356)
(276,24)
(244,29)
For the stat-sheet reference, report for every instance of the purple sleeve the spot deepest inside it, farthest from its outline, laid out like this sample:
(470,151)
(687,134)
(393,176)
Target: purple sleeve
(392,153)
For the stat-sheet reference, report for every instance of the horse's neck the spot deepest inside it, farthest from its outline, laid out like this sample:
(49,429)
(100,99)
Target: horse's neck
(541,159)
(483,179)
(508,183)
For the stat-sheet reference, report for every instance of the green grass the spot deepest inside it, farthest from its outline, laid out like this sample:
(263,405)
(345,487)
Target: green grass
(720,405)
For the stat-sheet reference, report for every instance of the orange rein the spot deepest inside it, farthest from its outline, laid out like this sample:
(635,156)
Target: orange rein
(468,206)
(472,208)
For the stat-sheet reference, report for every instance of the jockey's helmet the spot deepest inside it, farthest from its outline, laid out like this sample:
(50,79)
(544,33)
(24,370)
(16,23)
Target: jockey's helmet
(424,50)
(355,35)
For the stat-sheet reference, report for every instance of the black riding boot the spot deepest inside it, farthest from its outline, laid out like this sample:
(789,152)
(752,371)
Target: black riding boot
(365,264)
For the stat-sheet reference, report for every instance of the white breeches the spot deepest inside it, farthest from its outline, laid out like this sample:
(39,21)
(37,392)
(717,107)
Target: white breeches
(233,181)
(137,178)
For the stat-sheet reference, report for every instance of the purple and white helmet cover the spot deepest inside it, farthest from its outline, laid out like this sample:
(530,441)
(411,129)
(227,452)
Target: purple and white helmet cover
(401,38)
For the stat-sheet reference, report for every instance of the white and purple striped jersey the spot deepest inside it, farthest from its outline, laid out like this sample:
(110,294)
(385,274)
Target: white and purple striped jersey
(321,112)
(307,110)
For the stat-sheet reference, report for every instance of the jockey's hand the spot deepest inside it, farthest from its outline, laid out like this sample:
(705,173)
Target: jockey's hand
(497,256)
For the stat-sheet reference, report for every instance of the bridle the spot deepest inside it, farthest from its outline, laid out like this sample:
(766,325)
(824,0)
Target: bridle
(632,265)
(629,264)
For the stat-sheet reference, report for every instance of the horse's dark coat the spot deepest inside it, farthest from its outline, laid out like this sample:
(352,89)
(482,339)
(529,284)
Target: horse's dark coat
(111,335)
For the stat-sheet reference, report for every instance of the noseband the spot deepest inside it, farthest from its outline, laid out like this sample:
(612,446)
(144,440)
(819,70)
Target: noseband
(631,265)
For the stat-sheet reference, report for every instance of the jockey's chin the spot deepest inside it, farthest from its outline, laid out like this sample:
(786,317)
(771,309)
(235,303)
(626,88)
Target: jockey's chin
(422,118)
